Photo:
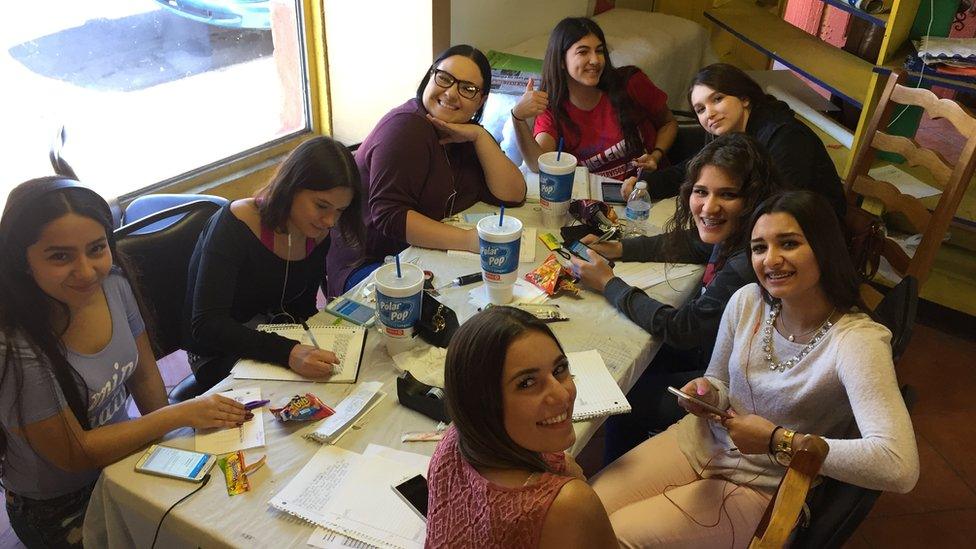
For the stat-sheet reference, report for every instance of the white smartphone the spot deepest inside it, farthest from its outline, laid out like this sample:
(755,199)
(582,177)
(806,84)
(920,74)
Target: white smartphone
(353,311)
(413,492)
(170,462)
(699,402)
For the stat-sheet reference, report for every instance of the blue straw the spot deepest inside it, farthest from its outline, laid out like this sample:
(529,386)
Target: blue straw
(399,274)
(501,216)
(559,149)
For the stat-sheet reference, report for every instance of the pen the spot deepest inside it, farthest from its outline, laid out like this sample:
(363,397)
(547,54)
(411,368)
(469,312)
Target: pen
(606,236)
(310,336)
(255,404)
(463,280)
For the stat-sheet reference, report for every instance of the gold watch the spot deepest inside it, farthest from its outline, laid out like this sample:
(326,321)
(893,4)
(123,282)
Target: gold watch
(784,448)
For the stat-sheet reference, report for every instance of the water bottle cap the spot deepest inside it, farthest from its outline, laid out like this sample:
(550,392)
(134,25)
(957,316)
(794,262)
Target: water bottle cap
(641,185)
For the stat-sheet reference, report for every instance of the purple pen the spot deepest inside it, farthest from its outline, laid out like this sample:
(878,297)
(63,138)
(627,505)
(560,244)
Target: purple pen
(255,404)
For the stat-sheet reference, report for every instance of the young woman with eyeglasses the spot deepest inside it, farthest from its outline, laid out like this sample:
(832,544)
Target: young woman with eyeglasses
(426,160)
(262,260)
(613,120)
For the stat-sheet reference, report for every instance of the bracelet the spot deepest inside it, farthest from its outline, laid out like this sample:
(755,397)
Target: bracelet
(772,436)
(520,119)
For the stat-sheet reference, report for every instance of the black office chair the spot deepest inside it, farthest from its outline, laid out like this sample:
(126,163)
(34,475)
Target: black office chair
(838,508)
(160,260)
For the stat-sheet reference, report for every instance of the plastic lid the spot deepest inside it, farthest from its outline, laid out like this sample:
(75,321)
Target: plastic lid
(641,185)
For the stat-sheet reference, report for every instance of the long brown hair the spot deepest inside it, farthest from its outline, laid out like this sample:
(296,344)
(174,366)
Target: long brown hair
(613,82)
(319,164)
(472,382)
(743,160)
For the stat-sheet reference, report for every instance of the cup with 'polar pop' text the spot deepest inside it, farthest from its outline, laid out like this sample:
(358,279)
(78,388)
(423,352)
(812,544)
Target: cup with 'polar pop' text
(398,303)
(499,244)
(556,186)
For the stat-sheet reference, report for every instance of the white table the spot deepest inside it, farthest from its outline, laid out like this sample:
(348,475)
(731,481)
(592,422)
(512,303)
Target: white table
(126,506)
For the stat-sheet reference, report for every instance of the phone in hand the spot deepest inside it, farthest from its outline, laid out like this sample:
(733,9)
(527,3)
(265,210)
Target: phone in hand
(579,250)
(413,492)
(713,409)
(176,463)
(612,192)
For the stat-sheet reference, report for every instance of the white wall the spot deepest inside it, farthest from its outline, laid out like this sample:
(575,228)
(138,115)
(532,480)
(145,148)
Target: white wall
(496,24)
(378,51)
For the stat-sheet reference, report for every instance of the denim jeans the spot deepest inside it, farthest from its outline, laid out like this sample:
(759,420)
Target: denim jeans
(49,523)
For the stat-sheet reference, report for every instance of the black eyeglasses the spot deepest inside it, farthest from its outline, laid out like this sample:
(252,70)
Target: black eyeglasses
(445,80)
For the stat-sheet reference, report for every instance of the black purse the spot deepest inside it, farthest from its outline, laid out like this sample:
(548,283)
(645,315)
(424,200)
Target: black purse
(437,323)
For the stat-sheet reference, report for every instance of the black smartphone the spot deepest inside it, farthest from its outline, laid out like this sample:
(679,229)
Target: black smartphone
(578,249)
(612,193)
(413,491)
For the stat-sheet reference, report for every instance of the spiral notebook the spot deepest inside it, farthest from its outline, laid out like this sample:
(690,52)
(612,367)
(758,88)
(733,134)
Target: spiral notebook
(597,393)
(347,342)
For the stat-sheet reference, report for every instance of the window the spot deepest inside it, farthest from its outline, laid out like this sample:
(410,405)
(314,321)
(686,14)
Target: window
(149,90)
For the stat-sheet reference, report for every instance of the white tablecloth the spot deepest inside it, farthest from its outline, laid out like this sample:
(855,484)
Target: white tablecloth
(126,506)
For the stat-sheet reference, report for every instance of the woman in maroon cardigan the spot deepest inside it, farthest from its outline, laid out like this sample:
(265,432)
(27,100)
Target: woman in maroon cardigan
(426,160)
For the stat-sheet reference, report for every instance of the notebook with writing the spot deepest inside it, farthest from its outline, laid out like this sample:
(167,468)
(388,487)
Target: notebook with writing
(597,393)
(347,342)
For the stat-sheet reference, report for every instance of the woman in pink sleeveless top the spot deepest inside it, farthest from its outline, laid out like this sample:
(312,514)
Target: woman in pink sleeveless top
(500,477)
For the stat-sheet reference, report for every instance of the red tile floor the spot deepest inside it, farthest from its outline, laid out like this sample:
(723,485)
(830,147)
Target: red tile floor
(940,512)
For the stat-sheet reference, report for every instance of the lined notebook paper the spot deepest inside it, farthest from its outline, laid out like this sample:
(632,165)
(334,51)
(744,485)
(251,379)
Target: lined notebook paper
(347,342)
(351,494)
(597,394)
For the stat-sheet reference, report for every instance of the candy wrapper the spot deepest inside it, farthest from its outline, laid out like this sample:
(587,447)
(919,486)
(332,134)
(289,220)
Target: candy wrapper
(235,471)
(307,407)
(551,277)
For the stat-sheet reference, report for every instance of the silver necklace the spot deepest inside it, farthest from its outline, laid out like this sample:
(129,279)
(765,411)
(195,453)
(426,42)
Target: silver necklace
(767,340)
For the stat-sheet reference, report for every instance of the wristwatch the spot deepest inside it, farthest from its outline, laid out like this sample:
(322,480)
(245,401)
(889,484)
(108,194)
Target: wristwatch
(783,452)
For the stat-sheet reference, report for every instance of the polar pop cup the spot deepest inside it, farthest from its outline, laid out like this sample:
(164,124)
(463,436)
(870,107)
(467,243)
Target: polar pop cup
(398,303)
(499,244)
(556,186)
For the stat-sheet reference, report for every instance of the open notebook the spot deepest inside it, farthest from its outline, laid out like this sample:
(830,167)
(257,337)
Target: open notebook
(347,342)
(597,394)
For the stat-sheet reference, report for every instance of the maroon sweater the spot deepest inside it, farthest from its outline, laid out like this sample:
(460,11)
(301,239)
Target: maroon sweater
(404,168)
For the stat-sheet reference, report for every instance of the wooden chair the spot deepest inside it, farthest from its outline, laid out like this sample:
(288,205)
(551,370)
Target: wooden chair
(904,210)
(783,510)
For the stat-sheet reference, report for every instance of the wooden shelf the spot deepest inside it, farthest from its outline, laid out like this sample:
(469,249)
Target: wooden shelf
(840,72)
(879,19)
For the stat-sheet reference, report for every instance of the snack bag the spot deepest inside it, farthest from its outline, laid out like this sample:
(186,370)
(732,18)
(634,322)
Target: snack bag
(307,407)
(546,276)
(234,476)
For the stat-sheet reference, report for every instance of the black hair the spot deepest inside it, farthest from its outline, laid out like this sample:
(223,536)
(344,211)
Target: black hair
(472,53)
(472,382)
(822,231)
(742,159)
(319,164)
(613,82)
(732,81)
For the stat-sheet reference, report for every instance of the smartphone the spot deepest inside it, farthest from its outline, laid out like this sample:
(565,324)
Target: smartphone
(700,402)
(413,491)
(170,462)
(578,249)
(612,192)
(353,311)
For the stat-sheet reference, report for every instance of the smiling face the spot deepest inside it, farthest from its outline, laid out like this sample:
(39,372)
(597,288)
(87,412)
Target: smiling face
(70,259)
(585,60)
(717,112)
(538,394)
(447,104)
(313,213)
(715,204)
(782,258)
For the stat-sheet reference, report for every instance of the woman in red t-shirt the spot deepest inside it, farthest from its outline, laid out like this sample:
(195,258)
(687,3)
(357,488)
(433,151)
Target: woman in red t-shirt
(614,121)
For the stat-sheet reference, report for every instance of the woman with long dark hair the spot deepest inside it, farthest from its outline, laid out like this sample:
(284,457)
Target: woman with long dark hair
(501,477)
(74,347)
(613,120)
(725,182)
(726,99)
(794,355)
(427,160)
(262,260)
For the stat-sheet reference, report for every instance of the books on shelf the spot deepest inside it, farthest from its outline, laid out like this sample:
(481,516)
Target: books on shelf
(347,342)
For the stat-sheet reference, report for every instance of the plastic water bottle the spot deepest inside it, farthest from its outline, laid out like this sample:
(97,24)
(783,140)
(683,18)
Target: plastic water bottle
(638,210)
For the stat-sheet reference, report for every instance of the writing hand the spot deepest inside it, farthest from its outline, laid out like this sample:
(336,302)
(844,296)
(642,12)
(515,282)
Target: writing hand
(311,362)
(608,249)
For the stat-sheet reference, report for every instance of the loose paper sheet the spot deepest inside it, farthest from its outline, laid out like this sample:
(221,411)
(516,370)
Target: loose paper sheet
(248,435)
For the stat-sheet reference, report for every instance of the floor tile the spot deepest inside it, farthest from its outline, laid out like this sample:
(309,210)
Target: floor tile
(940,369)
(952,435)
(857,541)
(939,488)
(927,530)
